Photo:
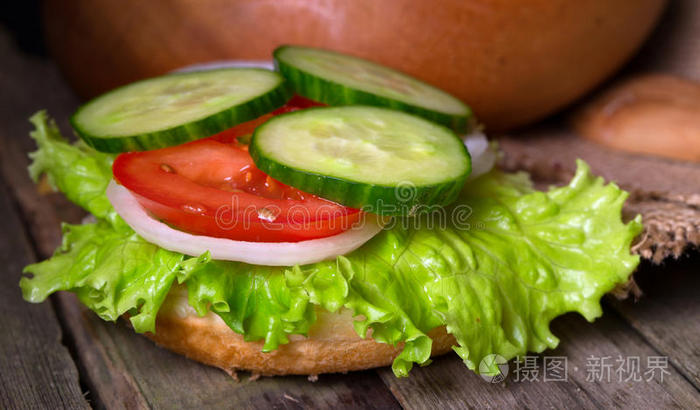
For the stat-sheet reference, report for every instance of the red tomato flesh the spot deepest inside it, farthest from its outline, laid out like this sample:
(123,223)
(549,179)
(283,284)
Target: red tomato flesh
(212,187)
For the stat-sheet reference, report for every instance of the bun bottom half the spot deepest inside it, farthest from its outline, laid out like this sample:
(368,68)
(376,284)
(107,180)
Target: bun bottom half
(332,345)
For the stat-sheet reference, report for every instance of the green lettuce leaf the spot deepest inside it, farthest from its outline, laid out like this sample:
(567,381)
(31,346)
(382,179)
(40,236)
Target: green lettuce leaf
(255,301)
(80,172)
(494,268)
(112,272)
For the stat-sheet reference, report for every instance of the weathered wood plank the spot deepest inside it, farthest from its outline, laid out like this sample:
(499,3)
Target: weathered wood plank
(447,383)
(109,383)
(36,370)
(610,337)
(29,84)
(668,313)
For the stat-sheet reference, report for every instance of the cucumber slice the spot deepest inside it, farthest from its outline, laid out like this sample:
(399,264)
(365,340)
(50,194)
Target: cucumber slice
(339,79)
(378,159)
(176,108)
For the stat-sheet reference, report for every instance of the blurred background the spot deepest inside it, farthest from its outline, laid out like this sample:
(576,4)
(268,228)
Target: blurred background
(514,62)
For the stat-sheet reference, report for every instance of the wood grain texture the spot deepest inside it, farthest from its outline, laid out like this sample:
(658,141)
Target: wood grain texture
(110,384)
(446,384)
(36,370)
(668,314)
(29,84)
(609,337)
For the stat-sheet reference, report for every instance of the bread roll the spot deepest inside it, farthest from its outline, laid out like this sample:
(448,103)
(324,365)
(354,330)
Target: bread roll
(513,62)
(653,114)
(331,346)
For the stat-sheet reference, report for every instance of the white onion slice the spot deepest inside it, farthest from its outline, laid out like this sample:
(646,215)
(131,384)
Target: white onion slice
(258,253)
(483,155)
(213,65)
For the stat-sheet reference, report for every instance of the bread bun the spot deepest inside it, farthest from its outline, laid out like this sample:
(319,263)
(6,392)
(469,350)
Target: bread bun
(652,114)
(331,346)
(513,62)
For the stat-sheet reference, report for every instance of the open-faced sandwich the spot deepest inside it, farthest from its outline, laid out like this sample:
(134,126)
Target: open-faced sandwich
(331,215)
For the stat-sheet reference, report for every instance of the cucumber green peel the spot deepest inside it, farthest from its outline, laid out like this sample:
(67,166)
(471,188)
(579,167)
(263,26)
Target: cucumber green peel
(176,108)
(381,160)
(339,79)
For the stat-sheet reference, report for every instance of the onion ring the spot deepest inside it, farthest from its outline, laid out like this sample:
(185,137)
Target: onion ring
(258,253)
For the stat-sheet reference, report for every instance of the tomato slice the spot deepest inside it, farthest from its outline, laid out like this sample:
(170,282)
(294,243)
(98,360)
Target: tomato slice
(212,187)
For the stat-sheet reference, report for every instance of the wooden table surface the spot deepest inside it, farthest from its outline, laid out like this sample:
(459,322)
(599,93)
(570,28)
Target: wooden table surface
(57,355)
